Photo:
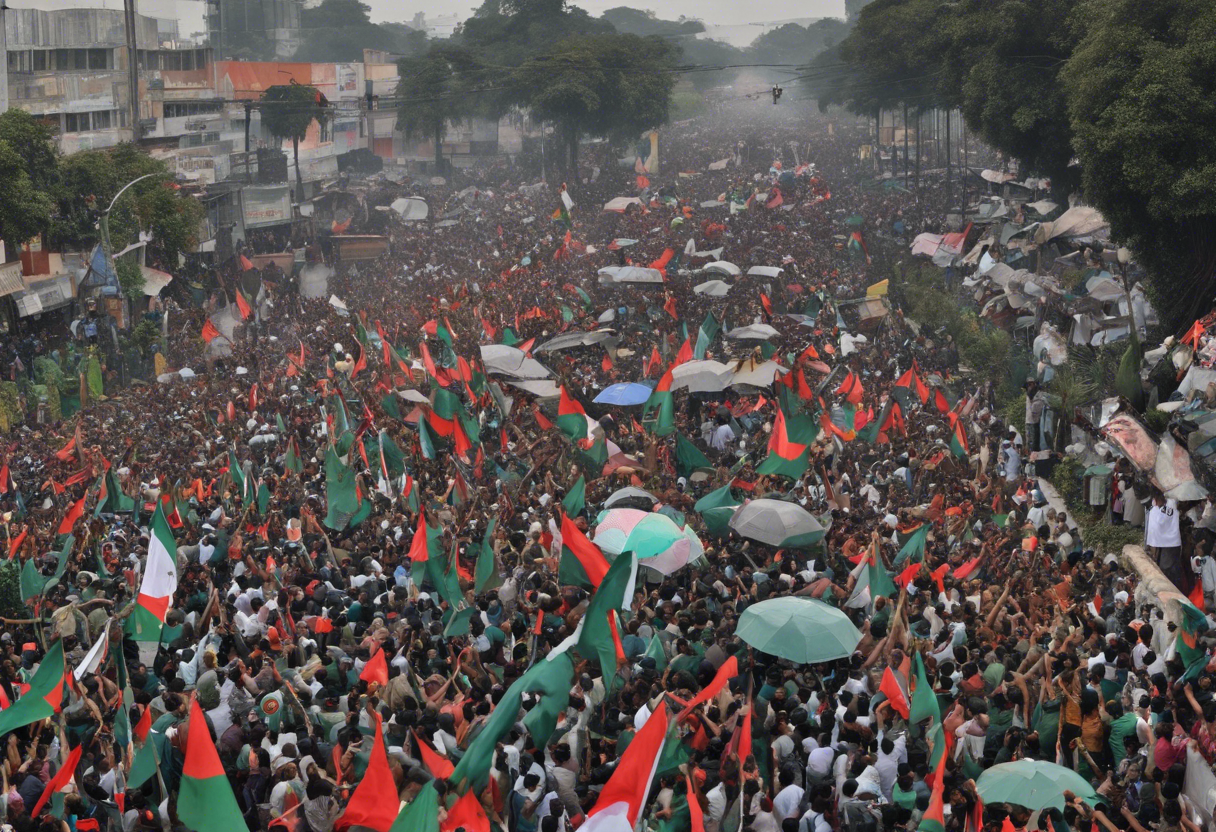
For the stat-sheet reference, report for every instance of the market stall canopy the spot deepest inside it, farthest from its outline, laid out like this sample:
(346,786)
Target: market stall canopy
(624,394)
(764,271)
(801,630)
(411,207)
(996,176)
(723,267)
(712,288)
(1074,223)
(701,376)
(570,340)
(618,204)
(752,332)
(629,274)
(777,523)
(154,280)
(1033,784)
(508,361)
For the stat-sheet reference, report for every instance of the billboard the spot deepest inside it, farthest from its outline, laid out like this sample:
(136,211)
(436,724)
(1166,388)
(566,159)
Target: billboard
(266,205)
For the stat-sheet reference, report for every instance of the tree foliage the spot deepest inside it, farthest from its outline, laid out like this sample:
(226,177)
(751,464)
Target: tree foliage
(339,30)
(613,86)
(27,169)
(288,110)
(86,182)
(438,88)
(1141,89)
(643,22)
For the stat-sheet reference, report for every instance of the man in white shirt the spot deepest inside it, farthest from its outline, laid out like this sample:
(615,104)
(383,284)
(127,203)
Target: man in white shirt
(890,754)
(1163,539)
(723,438)
(788,801)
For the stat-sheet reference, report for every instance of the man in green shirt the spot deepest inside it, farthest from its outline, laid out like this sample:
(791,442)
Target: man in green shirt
(1122,726)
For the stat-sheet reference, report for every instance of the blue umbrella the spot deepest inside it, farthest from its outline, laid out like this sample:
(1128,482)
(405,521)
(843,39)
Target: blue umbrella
(624,394)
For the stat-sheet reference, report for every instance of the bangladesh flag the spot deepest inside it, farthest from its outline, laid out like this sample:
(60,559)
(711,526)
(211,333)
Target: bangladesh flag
(291,460)
(593,456)
(661,399)
(434,329)
(421,814)
(159,582)
(614,593)
(934,819)
(486,575)
(914,548)
(341,492)
(910,384)
(716,508)
(582,563)
(44,697)
(710,327)
(958,437)
(689,457)
(237,475)
(571,418)
(576,498)
(924,701)
(1192,625)
(205,802)
(426,440)
(551,678)
(789,446)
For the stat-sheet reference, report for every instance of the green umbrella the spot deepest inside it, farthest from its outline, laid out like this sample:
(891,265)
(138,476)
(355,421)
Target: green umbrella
(778,523)
(716,508)
(1034,784)
(803,630)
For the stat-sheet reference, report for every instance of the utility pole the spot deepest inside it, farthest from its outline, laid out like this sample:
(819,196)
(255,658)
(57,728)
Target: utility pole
(248,116)
(3,56)
(128,8)
(907,161)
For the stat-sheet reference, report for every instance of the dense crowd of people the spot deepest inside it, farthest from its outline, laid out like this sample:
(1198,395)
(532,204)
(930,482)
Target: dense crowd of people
(343,545)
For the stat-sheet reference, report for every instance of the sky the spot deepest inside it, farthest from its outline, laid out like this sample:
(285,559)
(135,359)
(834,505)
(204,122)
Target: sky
(713,12)
(726,12)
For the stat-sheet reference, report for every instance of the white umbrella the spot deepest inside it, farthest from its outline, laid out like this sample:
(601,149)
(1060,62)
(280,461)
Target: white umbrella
(777,523)
(757,375)
(186,372)
(413,396)
(509,361)
(631,493)
(701,376)
(411,208)
(764,271)
(629,274)
(757,332)
(712,288)
(723,267)
(568,340)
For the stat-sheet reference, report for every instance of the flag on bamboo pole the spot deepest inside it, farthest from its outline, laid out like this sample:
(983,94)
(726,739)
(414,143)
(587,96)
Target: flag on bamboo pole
(486,575)
(59,781)
(958,436)
(851,389)
(44,697)
(914,548)
(662,400)
(708,331)
(934,819)
(576,498)
(890,688)
(623,797)
(924,701)
(582,562)
(613,593)
(341,492)
(1193,624)
(158,584)
(374,803)
(689,457)
(571,417)
(789,456)
(421,814)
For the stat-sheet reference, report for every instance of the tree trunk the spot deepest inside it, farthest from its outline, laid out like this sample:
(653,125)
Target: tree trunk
(439,149)
(907,161)
(920,120)
(949,184)
(295,149)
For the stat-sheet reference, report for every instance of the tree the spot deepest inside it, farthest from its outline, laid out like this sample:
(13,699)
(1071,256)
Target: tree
(614,86)
(1141,89)
(339,30)
(643,22)
(436,89)
(87,182)
(28,170)
(288,110)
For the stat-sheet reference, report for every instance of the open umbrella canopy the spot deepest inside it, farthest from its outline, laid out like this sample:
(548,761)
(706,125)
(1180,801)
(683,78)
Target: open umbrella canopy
(701,376)
(629,274)
(802,630)
(712,288)
(764,271)
(777,523)
(500,359)
(753,374)
(752,332)
(569,340)
(723,267)
(625,394)
(629,495)
(656,539)
(1034,784)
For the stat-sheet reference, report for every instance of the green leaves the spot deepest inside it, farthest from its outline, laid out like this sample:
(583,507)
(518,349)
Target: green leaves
(289,109)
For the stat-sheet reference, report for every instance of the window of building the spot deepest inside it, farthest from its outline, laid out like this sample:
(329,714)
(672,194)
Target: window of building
(99,58)
(102,120)
(40,60)
(71,122)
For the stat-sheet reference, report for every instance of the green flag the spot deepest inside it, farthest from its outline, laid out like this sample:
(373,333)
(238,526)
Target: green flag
(389,405)
(716,508)
(1191,652)
(44,696)
(705,335)
(655,651)
(576,498)
(425,440)
(487,577)
(924,702)
(615,593)
(914,548)
(447,403)
(341,497)
(688,456)
(421,814)
(236,475)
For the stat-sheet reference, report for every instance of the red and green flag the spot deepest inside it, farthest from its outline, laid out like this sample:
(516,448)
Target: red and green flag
(934,819)
(158,584)
(571,418)
(789,446)
(205,802)
(1191,626)
(689,457)
(582,562)
(914,548)
(958,437)
(374,803)
(662,404)
(710,327)
(421,814)
(44,696)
